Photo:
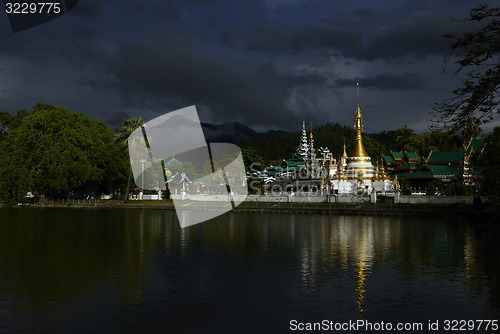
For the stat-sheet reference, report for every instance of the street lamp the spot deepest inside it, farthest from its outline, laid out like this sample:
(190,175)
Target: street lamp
(142,178)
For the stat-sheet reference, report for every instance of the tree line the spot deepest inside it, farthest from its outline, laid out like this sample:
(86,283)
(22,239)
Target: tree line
(271,151)
(53,152)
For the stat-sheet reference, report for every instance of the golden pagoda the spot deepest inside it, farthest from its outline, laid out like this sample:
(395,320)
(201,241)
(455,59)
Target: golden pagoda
(359,148)
(359,166)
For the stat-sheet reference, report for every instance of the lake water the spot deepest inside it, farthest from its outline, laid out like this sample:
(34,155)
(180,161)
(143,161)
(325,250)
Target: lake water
(130,271)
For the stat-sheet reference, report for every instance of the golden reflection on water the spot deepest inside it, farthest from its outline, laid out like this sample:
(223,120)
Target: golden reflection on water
(364,252)
(315,250)
(348,244)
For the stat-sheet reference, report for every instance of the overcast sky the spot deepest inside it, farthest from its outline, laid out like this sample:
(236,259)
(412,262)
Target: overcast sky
(264,63)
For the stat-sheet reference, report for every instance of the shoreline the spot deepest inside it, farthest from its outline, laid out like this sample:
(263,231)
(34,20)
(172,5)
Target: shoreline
(456,210)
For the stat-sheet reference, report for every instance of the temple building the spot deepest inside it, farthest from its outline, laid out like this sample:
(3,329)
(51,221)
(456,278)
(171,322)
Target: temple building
(311,170)
(459,167)
(359,166)
(356,173)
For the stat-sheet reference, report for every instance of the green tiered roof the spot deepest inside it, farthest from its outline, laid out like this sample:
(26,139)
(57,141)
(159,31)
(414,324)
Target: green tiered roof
(456,156)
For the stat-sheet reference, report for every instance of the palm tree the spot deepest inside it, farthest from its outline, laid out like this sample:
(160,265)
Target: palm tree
(128,126)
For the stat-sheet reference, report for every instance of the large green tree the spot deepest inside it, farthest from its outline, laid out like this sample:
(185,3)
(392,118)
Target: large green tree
(479,53)
(55,152)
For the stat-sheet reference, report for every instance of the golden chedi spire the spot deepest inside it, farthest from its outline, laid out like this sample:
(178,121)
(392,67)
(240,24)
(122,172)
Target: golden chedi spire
(344,155)
(359,148)
(359,167)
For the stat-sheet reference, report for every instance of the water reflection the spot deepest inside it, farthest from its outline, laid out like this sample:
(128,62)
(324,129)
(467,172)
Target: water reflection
(133,266)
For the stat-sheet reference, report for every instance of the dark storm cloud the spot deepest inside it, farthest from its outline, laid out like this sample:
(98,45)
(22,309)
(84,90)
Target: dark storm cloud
(364,35)
(388,82)
(302,39)
(419,35)
(88,8)
(262,62)
(170,65)
(365,15)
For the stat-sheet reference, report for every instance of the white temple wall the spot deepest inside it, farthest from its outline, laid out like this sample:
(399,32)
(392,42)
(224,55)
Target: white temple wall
(345,187)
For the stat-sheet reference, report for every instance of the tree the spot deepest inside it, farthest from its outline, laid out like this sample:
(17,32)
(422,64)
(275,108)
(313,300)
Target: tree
(374,148)
(477,98)
(435,187)
(404,138)
(440,140)
(128,126)
(491,161)
(471,129)
(55,152)
(5,124)
(405,187)
(253,161)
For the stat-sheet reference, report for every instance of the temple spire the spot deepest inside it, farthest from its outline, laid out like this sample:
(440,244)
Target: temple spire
(357,84)
(311,141)
(359,148)
(303,148)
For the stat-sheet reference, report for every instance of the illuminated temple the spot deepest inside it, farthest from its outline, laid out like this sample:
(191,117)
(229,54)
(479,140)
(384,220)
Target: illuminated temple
(311,171)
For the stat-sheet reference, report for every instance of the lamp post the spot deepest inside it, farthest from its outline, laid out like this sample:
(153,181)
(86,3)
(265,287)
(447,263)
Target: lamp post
(142,179)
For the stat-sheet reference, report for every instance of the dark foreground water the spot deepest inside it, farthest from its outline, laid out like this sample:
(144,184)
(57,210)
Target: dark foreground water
(135,271)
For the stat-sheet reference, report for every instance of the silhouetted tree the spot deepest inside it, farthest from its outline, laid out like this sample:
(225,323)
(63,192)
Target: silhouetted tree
(477,98)
(491,160)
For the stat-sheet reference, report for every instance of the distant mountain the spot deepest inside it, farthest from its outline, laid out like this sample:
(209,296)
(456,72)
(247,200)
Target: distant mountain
(236,133)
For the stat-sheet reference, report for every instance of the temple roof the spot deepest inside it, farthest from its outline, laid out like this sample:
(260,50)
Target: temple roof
(443,170)
(447,157)
(412,156)
(476,145)
(389,160)
(431,171)
(408,166)
(397,155)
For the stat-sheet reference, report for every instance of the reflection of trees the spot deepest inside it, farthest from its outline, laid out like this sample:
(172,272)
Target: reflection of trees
(62,254)
(481,258)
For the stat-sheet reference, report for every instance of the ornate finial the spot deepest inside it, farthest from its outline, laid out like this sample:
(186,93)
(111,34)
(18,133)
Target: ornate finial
(357,84)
